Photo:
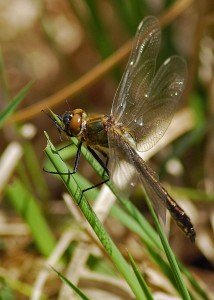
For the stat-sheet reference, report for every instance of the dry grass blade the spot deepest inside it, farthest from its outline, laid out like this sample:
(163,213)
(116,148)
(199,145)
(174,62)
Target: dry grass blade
(8,162)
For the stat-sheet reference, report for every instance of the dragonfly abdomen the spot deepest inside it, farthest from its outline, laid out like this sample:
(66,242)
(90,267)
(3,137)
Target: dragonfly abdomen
(160,196)
(180,217)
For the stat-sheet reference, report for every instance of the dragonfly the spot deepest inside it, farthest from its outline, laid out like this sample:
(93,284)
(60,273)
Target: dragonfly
(142,110)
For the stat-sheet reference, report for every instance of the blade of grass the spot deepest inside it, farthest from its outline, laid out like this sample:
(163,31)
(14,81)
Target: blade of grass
(140,227)
(70,152)
(27,207)
(24,289)
(140,279)
(94,222)
(170,256)
(132,219)
(98,31)
(3,77)
(193,194)
(130,14)
(136,222)
(145,230)
(72,286)
(14,103)
(197,288)
(35,171)
(137,216)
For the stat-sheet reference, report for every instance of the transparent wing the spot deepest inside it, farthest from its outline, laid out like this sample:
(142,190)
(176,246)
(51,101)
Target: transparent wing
(144,103)
(122,172)
(126,167)
(157,198)
(139,70)
(155,113)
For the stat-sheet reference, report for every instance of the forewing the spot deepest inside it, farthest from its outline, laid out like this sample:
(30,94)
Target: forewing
(139,70)
(144,103)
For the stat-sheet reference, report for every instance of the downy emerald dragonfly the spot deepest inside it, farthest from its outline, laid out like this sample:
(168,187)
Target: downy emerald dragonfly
(141,112)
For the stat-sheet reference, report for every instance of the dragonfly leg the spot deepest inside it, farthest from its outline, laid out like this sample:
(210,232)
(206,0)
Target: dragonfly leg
(66,146)
(77,159)
(100,161)
(75,164)
(104,165)
(92,187)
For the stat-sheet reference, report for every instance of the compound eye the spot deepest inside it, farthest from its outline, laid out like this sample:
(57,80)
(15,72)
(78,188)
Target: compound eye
(75,124)
(67,118)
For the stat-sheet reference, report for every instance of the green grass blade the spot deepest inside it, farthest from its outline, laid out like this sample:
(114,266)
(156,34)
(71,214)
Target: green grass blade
(137,216)
(169,253)
(96,225)
(140,226)
(5,291)
(130,208)
(27,207)
(3,77)
(14,103)
(34,171)
(141,280)
(130,14)
(134,220)
(193,194)
(72,286)
(197,288)
(98,30)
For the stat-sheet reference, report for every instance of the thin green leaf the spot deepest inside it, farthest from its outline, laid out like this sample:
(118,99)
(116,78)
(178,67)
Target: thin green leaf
(72,286)
(14,103)
(97,29)
(130,208)
(34,170)
(193,194)
(135,221)
(27,207)
(198,107)
(141,280)
(169,253)
(91,217)
(130,14)
(139,224)
(197,288)
(3,77)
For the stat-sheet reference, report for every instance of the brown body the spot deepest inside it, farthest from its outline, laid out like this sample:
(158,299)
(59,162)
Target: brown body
(94,131)
(141,112)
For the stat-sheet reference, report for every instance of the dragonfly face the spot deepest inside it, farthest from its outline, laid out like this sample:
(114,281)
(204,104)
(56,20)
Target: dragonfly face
(141,112)
(73,122)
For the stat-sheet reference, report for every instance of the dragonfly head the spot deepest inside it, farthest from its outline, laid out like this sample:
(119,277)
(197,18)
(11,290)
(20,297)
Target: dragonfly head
(74,122)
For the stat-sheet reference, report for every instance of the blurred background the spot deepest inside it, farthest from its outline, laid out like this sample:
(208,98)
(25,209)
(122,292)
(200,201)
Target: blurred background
(69,49)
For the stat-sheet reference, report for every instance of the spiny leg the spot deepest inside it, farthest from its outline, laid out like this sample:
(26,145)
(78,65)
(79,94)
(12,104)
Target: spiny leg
(100,161)
(104,165)
(76,163)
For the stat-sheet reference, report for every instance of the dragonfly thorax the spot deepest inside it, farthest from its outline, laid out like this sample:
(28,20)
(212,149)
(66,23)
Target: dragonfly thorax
(74,122)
